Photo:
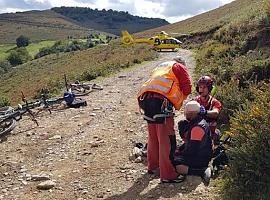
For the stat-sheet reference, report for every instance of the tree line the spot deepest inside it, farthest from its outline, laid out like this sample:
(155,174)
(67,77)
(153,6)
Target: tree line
(109,21)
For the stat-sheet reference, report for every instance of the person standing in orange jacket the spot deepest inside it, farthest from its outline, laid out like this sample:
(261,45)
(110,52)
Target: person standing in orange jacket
(167,88)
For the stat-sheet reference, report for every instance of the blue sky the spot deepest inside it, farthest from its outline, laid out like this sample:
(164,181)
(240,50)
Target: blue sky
(171,10)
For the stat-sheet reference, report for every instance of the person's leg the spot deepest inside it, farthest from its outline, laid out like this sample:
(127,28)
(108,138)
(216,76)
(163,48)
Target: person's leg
(167,142)
(152,148)
(199,167)
(182,169)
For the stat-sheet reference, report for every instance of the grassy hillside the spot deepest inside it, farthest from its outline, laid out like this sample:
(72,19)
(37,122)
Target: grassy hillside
(237,56)
(236,11)
(85,65)
(39,25)
(64,22)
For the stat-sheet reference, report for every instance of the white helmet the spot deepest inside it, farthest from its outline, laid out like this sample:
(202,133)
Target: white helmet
(192,106)
(179,60)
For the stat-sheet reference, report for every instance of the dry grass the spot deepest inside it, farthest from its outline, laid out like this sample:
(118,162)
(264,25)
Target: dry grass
(237,10)
(38,25)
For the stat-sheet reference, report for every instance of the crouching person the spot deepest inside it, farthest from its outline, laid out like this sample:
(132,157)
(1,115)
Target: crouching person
(196,152)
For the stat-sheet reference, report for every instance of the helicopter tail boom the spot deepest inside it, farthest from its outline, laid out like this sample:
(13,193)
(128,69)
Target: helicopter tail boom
(127,38)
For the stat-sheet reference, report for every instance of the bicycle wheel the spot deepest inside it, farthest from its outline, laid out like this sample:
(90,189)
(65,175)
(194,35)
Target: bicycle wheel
(6,126)
(6,110)
(97,87)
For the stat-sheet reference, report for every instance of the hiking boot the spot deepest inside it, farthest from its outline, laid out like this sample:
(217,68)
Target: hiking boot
(178,179)
(206,176)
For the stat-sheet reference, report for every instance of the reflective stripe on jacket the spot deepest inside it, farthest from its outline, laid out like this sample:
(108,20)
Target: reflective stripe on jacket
(163,81)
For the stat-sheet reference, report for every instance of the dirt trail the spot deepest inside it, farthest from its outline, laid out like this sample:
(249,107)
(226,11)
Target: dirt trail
(85,152)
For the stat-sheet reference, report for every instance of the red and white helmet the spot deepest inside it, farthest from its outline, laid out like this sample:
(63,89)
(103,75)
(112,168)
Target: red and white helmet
(206,80)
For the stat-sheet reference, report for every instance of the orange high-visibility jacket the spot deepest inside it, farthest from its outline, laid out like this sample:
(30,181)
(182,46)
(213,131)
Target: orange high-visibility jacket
(163,81)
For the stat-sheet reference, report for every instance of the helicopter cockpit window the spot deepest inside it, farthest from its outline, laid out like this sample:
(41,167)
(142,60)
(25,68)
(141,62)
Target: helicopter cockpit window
(168,41)
(157,41)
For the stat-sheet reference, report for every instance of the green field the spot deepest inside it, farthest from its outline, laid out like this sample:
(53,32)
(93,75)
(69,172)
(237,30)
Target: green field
(4,49)
(33,48)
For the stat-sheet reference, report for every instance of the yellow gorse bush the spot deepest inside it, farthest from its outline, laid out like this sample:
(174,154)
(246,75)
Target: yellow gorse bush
(248,176)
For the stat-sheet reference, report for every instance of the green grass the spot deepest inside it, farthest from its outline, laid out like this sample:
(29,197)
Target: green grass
(4,50)
(33,48)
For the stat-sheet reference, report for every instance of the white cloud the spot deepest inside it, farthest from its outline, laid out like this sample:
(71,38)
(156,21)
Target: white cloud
(148,8)
(171,10)
(226,1)
(70,3)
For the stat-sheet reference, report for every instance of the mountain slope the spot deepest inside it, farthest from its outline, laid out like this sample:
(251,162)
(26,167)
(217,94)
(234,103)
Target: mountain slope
(38,25)
(110,21)
(235,11)
(70,22)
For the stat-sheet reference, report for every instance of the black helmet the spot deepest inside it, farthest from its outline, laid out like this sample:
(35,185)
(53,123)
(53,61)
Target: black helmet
(205,80)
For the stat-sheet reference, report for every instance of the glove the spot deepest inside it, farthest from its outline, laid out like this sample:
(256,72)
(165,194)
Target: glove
(203,111)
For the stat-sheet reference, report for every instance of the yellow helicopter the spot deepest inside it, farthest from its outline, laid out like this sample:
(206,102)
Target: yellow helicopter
(158,42)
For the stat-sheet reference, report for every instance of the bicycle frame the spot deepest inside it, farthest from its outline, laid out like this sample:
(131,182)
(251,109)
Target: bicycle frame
(10,116)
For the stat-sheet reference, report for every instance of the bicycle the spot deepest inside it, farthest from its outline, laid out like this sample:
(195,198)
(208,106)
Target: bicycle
(9,117)
(68,100)
(48,104)
(220,158)
(82,89)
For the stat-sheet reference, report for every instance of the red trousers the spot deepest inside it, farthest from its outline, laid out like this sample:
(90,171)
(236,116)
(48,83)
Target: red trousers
(159,148)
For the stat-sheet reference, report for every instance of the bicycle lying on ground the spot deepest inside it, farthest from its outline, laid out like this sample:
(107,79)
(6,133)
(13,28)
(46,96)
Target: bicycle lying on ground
(9,117)
(81,89)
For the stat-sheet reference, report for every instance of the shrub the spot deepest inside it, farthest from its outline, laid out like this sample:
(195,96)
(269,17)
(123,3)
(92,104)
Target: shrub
(5,66)
(90,74)
(4,102)
(43,52)
(63,46)
(248,176)
(18,56)
(22,41)
(136,61)
(232,98)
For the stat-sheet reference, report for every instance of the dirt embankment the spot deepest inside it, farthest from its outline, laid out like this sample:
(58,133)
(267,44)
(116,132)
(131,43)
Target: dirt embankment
(85,152)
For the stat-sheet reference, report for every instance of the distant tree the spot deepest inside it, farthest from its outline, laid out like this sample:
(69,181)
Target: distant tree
(22,41)
(18,56)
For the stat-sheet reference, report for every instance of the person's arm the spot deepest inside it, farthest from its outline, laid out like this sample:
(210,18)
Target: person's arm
(192,146)
(214,112)
(181,73)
